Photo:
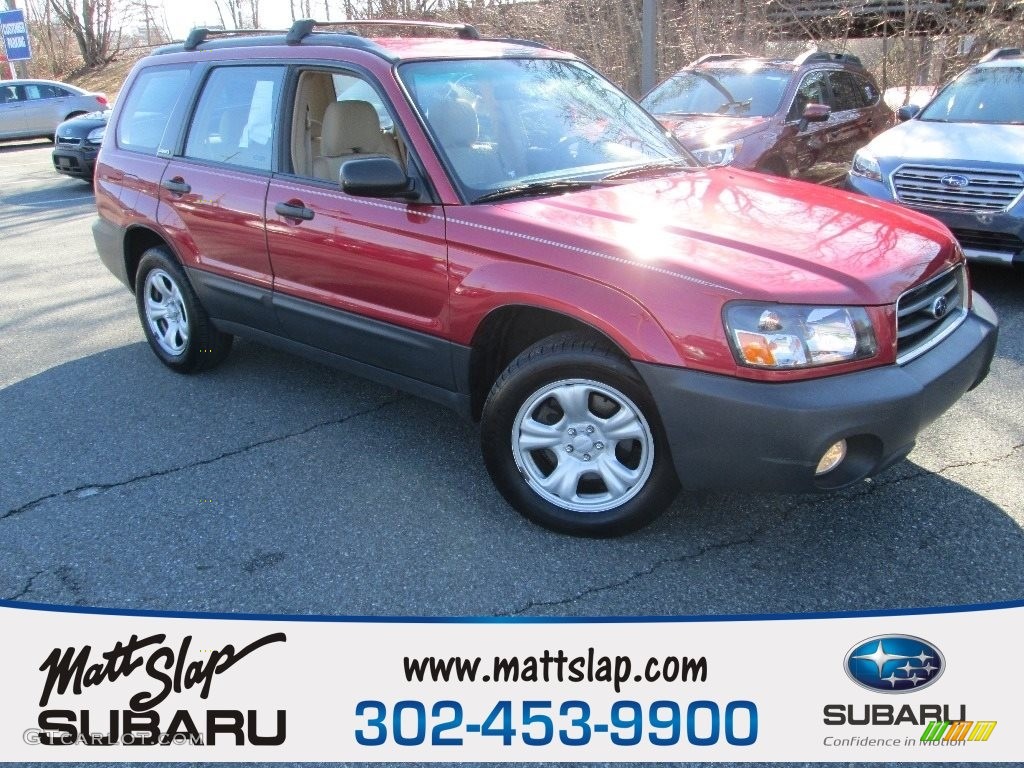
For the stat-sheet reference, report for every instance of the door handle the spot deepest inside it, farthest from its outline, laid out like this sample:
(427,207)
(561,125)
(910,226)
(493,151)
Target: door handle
(294,209)
(176,186)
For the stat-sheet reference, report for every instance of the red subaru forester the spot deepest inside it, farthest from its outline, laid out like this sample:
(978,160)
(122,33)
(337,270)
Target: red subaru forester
(492,225)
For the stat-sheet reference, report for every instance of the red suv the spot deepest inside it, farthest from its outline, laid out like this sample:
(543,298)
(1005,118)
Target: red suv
(779,117)
(491,225)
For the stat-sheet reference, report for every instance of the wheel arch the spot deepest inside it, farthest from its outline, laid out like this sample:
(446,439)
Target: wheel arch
(137,240)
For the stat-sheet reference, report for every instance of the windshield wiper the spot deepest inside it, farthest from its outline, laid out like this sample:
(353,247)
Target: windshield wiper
(536,188)
(674,162)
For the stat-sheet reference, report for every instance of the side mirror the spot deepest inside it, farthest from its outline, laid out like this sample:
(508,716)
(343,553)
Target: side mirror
(817,113)
(376,177)
(907,112)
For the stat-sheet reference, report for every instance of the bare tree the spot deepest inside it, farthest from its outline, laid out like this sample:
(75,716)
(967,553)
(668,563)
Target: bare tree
(96,26)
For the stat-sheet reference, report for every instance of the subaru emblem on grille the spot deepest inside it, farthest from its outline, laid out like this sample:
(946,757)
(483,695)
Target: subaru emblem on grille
(955,181)
(939,308)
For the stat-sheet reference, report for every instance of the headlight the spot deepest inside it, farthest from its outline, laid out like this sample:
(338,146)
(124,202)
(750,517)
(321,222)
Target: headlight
(865,164)
(782,336)
(96,135)
(720,154)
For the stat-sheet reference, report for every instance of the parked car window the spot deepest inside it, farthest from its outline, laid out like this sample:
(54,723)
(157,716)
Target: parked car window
(740,91)
(813,90)
(352,88)
(846,94)
(234,120)
(871,93)
(9,93)
(148,108)
(984,95)
(33,91)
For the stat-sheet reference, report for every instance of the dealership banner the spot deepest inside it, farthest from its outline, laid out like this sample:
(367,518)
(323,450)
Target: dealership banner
(83,684)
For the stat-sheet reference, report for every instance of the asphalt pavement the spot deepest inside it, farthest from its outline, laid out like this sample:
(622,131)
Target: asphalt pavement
(276,485)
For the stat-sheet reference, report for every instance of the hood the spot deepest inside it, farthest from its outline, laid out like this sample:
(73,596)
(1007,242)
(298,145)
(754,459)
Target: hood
(697,131)
(950,143)
(735,233)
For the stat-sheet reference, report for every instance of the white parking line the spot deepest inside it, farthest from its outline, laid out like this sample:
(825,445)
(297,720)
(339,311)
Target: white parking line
(54,201)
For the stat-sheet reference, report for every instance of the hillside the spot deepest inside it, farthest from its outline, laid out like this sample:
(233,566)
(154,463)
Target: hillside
(109,79)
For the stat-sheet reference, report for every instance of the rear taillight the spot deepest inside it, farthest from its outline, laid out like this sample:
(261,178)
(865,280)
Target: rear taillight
(101,99)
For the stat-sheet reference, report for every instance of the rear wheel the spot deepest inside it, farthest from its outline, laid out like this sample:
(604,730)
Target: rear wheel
(572,440)
(177,327)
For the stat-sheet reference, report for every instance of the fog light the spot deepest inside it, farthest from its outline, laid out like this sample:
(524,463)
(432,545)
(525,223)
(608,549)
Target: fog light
(833,458)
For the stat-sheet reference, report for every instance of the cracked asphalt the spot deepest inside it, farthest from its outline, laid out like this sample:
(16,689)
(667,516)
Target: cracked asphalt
(275,485)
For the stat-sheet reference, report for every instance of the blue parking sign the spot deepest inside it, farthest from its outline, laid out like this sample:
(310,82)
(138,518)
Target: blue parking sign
(15,33)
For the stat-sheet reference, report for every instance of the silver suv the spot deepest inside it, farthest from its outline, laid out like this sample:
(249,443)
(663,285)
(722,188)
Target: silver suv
(960,159)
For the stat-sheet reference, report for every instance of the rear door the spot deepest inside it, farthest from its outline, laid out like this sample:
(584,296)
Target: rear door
(851,122)
(213,192)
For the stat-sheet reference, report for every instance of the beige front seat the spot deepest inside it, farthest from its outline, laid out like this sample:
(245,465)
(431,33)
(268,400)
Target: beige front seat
(350,129)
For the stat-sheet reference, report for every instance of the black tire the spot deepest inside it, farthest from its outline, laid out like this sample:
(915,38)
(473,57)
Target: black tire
(188,342)
(566,385)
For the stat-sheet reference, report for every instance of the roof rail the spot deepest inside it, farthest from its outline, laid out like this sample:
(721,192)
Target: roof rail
(717,57)
(1002,53)
(305,27)
(808,57)
(199,35)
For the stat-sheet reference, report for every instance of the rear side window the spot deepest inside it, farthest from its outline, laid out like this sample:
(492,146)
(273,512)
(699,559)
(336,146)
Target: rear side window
(235,118)
(148,107)
(846,92)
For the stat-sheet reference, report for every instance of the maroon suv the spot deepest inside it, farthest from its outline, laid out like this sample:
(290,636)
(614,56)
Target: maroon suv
(779,117)
(492,225)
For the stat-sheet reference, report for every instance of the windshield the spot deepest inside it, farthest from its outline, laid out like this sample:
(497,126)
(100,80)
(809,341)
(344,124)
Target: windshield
(740,91)
(506,123)
(988,95)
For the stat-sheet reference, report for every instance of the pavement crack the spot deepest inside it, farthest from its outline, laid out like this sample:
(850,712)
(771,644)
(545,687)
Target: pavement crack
(633,577)
(90,489)
(750,539)
(28,586)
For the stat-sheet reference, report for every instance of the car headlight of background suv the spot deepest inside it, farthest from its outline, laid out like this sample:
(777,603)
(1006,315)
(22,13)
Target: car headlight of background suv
(95,136)
(865,164)
(718,154)
(784,336)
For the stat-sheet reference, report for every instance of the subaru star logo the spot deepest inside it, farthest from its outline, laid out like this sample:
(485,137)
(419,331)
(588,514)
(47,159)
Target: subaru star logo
(894,663)
(939,308)
(955,181)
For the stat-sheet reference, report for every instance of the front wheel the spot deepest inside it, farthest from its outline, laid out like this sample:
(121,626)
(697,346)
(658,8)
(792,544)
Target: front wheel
(572,440)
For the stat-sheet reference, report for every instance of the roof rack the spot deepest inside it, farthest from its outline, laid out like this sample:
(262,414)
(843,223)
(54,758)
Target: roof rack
(1002,53)
(717,57)
(199,35)
(305,27)
(808,57)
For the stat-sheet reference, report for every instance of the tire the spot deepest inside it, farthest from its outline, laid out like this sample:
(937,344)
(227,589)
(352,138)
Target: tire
(572,439)
(177,327)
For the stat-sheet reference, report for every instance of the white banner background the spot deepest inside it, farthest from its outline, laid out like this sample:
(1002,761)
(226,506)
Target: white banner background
(789,668)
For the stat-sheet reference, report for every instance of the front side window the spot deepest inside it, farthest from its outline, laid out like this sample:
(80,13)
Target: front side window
(813,90)
(148,106)
(502,124)
(986,95)
(234,120)
(743,91)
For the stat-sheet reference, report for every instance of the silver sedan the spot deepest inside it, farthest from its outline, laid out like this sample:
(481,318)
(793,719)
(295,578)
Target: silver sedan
(31,108)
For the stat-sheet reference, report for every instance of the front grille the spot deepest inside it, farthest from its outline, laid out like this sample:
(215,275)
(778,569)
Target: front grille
(64,141)
(922,186)
(921,320)
(1001,242)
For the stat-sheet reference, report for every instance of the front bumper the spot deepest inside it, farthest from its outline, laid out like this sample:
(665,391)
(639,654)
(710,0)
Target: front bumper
(78,162)
(729,433)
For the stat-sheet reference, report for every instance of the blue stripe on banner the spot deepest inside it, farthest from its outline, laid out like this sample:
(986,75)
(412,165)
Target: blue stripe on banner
(926,611)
